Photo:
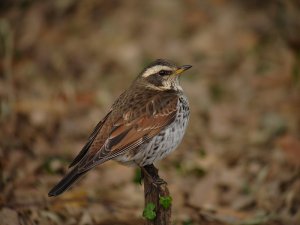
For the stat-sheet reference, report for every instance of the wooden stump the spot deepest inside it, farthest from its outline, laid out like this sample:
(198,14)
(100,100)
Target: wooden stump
(152,193)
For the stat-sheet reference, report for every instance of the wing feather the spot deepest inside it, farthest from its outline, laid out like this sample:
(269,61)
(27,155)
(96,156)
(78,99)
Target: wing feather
(90,141)
(131,130)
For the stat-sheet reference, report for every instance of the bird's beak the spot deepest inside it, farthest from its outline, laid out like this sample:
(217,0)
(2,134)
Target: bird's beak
(181,69)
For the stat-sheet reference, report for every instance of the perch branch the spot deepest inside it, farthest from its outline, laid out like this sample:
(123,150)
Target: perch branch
(154,188)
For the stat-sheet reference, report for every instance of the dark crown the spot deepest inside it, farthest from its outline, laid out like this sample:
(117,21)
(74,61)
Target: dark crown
(162,62)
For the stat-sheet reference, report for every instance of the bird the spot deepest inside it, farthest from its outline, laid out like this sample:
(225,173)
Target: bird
(145,124)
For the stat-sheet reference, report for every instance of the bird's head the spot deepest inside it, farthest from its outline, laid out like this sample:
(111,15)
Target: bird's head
(162,75)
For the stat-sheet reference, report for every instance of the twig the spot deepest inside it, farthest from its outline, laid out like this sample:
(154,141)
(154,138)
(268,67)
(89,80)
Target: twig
(153,193)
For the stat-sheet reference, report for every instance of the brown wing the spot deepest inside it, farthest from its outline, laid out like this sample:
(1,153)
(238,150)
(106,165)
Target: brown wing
(128,129)
(91,139)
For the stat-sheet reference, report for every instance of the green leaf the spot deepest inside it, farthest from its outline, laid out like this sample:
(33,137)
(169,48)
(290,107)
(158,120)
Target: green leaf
(296,74)
(198,171)
(178,166)
(216,92)
(53,165)
(187,222)
(165,201)
(149,211)
(202,152)
(137,179)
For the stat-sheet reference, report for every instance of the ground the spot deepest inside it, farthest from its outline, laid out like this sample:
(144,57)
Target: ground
(63,63)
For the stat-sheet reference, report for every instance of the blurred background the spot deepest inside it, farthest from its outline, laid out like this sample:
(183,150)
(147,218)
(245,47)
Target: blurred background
(63,62)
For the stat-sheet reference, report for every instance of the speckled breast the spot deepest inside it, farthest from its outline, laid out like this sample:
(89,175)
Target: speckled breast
(164,143)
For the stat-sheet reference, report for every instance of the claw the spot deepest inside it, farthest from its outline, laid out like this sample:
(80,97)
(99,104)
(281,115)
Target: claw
(152,175)
(159,182)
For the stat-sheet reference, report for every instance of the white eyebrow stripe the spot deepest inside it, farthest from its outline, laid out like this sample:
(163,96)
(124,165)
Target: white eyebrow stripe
(155,69)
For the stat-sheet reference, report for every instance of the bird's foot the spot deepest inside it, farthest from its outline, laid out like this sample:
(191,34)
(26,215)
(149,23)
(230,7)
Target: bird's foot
(150,173)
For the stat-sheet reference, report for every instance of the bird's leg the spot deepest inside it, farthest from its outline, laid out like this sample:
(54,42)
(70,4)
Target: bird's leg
(152,173)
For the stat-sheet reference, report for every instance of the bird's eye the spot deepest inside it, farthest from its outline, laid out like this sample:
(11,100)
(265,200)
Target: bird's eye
(164,72)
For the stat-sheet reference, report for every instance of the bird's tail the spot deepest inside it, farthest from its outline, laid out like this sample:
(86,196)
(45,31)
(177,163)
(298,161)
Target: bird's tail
(66,182)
